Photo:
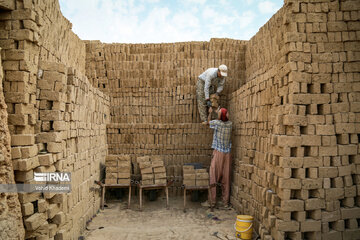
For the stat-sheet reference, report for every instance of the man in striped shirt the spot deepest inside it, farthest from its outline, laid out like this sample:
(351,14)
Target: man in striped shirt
(221,159)
(209,82)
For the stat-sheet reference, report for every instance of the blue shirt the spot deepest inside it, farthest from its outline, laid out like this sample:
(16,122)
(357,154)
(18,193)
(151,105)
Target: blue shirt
(222,135)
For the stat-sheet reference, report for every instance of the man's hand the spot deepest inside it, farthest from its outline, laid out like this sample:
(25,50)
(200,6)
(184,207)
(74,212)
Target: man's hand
(210,109)
(208,103)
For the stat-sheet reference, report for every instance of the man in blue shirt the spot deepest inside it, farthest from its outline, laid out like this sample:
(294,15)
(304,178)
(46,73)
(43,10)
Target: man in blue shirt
(209,80)
(221,159)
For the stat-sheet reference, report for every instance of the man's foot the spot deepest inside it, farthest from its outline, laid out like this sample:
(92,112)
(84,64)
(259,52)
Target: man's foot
(204,123)
(205,204)
(223,205)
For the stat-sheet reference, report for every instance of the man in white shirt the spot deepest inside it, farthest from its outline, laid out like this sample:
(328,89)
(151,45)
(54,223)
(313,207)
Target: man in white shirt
(209,80)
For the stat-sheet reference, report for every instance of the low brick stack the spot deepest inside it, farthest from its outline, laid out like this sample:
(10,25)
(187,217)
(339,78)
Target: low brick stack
(152,170)
(195,177)
(118,169)
(189,176)
(201,177)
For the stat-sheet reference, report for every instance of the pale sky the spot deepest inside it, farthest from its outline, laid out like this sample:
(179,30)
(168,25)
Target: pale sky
(156,21)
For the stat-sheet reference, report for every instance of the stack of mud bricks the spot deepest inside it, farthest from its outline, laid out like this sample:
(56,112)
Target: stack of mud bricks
(195,177)
(296,145)
(153,94)
(118,169)
(115,66)
(152,170)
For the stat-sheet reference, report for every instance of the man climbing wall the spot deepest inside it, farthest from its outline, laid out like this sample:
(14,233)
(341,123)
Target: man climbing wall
(209,80)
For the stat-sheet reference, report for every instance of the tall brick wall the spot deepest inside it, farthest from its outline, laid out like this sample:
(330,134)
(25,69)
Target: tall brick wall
(153,96)
(56,118)
(10,213)
(296,142)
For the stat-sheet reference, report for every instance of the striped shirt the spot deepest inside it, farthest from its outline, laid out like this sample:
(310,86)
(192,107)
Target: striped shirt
(211,78)
(222,135)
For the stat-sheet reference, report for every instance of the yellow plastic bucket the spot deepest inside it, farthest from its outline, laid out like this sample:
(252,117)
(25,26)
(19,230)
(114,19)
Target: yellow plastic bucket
(244,227)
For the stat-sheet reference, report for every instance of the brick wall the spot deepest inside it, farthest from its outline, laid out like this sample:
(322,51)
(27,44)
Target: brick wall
(10,213)
(56,118)
(296,124)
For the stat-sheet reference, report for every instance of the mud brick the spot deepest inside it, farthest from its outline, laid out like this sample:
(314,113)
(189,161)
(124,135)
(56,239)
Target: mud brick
(111,158)
(201,182)
(190,176)
(290,183)
(202,170)
(328,172)
(334,194)
(157,164)
(350,191)
(314,203)
(188,168)
(29,151)
(310,140)
(111,169)
(123,175)
(159,170)
(28,197)
(347,149)
(52,210)
(189,182)
(200,176)
(299,216)
(54,147)
(22,140)
(125,169)
(42,205)
(328,151)
(143,159)
(291,162)
(147,176)
(59,218)
(123,181)
(50,115)
(110,181)
(147,170)
(123,164)
(147,182)
(144,165)
(291,141)
(111,163)
(111,175)
(311,183)
(286,226)
(292,205)
(27,209)
(27,164)
(34,221)
(160,175)
(325,129)
(161,181)
(48,137)
(295,120)
(24,176)
(345,170)
(310,226)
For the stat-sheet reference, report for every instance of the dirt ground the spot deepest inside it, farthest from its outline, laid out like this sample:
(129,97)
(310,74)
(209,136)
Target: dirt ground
(157,222)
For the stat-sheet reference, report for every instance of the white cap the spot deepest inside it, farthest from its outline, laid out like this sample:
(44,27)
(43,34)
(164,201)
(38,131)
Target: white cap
(223,70)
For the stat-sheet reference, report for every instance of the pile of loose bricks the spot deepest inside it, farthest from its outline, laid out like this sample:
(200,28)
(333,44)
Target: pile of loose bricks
(152,170)
(293,93)
(195,177)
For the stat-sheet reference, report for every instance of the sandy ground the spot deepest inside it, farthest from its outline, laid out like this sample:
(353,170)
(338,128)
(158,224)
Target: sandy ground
(157,222)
